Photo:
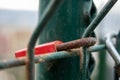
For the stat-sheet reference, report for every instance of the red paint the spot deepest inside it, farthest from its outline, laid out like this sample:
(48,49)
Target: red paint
(40,49)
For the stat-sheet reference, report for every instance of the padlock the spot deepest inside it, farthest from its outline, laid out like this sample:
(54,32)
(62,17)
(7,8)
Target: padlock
(113,52)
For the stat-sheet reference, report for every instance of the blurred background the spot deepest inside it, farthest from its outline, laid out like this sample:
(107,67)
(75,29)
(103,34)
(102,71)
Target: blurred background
(18,18)
(104,69)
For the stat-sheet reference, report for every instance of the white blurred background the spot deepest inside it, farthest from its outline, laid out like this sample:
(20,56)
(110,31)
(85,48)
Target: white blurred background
(110,24)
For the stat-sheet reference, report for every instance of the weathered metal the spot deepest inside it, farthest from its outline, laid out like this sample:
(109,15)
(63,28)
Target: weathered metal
(69,68)
(52,56)
(51,8)
(38,59)
(84,42)
(57,46)
(99,17)
(67,24)
(91,28)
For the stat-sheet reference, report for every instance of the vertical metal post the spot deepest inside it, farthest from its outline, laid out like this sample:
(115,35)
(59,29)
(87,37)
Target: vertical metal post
(68,23)
(102,64)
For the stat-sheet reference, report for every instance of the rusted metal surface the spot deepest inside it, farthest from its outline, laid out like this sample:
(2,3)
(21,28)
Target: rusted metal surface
(53,56)
(38,59)
(48,13)
(55,46)
(117,70)
(84,42)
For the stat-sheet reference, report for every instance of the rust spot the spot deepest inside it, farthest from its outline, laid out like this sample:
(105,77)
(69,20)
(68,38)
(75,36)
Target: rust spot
(84,42)
(117,69)
(81,58)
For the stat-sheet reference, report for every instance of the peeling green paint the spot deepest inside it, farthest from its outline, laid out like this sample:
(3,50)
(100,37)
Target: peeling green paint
(68,23)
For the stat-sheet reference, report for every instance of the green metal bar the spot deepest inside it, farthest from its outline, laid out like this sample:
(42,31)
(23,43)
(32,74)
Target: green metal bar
(93,25)
(47,57)
(96,48)
(91,28)
(102,67)
(53,5)
(99,17)
(39,59)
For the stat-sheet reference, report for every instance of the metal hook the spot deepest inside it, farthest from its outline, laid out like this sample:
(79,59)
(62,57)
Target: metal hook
(113,52)
(111,49)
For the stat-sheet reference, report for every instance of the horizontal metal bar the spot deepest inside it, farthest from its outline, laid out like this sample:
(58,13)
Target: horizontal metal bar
(83,42)
(47,57)
(99,17)
(38,59)
(97,48)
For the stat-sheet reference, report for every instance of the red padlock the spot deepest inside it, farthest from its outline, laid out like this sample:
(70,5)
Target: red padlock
(40,49)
